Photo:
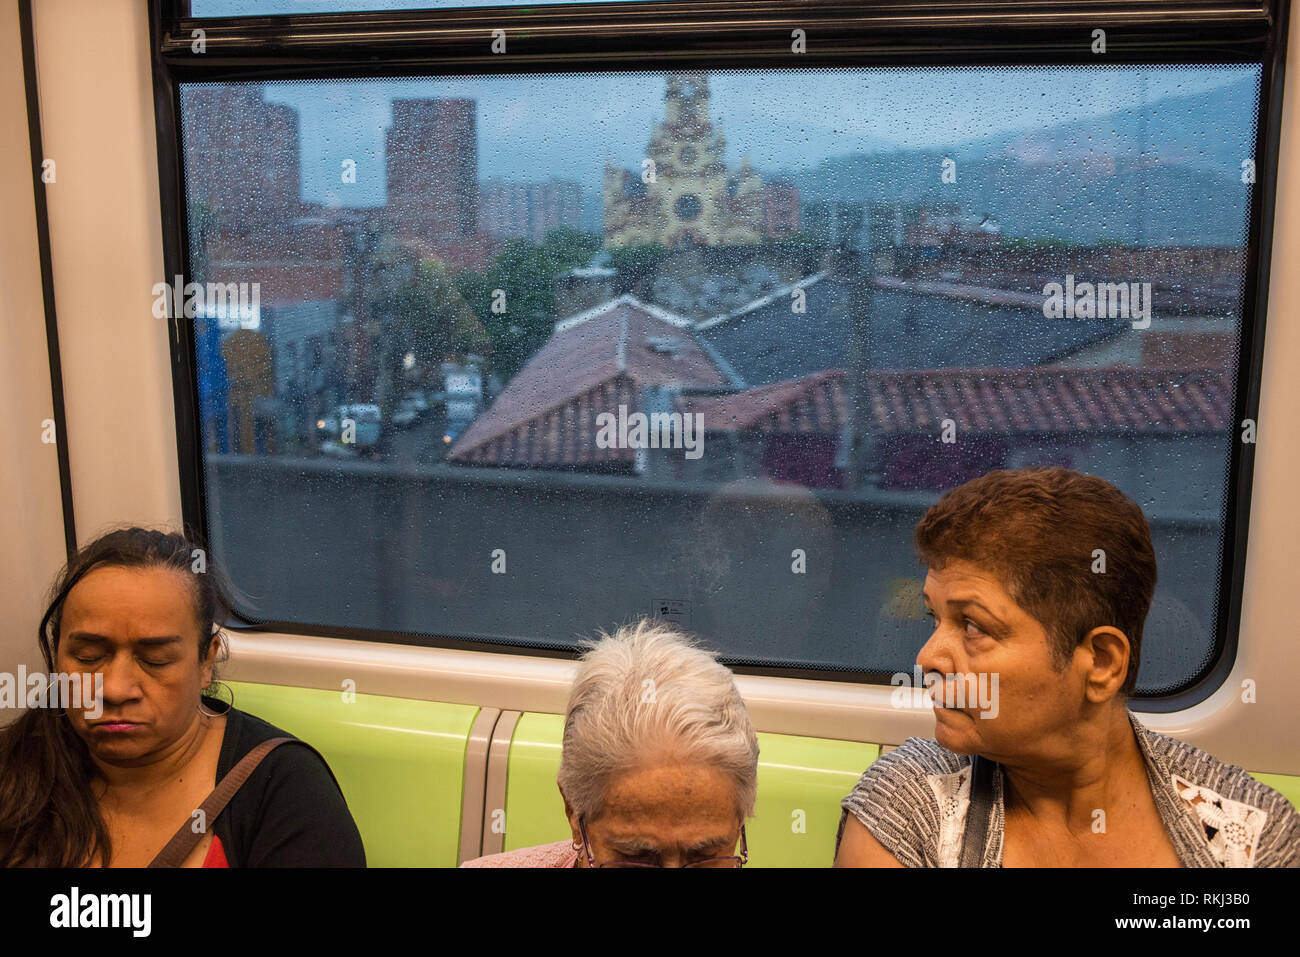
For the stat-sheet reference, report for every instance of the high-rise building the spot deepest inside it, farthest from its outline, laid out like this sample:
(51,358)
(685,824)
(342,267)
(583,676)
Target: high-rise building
(241,155)
(432,163)
(529,210)
(247,220)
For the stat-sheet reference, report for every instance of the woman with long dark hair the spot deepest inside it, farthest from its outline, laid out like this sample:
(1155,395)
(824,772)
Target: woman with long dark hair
(130,780)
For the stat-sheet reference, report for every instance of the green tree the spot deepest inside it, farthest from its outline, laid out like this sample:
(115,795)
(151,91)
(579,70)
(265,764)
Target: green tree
(514,298)
(636,265)
(431,318)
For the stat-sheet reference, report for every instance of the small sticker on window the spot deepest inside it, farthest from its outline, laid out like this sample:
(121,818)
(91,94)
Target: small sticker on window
(676,610)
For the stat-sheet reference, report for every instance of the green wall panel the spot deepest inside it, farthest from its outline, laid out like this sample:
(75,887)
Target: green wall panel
(1289,786)
(399,761)
(801,782)
(534,808)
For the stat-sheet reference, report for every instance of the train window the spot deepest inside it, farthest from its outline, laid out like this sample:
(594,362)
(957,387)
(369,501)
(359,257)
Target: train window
(513,358)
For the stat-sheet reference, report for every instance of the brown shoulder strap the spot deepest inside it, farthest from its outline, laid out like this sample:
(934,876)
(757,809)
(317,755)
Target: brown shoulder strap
(185,839)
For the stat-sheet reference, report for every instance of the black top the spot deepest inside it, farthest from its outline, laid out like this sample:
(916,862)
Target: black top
(290,812)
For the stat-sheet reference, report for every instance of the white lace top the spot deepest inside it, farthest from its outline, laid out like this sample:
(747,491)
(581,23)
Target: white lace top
(914,802)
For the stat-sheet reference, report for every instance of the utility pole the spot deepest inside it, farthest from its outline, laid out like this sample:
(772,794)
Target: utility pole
(855,451)
(1142,164)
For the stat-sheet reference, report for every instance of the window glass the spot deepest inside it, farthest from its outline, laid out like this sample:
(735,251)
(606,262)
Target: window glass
(517,358)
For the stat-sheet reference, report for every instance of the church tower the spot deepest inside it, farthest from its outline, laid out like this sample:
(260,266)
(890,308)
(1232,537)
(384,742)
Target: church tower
(690,199)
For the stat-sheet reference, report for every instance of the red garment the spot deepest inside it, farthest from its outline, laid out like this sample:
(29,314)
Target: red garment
(216,856)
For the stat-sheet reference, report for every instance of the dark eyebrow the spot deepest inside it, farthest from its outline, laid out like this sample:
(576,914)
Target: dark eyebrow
(638,845)
(89,637)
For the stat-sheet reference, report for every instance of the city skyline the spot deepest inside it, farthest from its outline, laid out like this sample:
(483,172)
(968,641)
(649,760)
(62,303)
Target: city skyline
(525,134)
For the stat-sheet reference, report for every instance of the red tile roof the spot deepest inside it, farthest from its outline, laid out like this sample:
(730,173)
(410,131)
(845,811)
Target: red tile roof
(594,362)
(990,401)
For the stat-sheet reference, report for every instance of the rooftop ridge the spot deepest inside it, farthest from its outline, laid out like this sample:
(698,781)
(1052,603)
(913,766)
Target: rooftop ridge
(759,303)
(627,299)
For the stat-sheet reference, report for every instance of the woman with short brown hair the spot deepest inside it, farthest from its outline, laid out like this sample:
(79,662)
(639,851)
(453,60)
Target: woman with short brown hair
(1039,582)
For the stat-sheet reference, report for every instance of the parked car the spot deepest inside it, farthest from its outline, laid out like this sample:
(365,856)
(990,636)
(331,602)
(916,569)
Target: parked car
(355,425)
(410,409)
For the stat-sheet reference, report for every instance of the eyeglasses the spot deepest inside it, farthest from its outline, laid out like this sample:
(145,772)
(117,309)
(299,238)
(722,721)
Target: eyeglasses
(733,860)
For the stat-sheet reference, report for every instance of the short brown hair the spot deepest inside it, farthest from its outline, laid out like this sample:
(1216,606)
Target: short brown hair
(1037,530)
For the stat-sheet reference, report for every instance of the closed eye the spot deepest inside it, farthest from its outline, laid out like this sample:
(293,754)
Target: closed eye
(643,858)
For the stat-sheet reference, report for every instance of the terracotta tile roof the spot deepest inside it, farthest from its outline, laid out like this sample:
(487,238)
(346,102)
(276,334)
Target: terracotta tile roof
(990,401)
(546,416)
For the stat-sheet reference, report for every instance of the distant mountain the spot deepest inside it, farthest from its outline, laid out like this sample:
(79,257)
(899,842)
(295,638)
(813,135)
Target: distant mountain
(1085,180)
(1213,131)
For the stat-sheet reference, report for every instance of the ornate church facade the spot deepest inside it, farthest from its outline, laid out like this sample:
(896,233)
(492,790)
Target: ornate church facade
(686,196)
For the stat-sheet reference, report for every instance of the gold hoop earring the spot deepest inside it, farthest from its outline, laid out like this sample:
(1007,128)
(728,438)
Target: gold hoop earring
(229,704)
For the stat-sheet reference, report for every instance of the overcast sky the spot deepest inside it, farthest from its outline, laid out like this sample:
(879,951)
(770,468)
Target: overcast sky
(533,127)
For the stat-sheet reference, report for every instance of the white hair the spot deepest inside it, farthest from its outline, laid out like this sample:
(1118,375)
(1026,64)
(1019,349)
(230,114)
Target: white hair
(647,694)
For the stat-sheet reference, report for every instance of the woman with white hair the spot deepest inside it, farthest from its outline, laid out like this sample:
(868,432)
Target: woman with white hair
(659,766)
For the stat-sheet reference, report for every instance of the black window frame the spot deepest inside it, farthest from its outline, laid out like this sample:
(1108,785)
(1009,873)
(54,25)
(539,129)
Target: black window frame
(715,34)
